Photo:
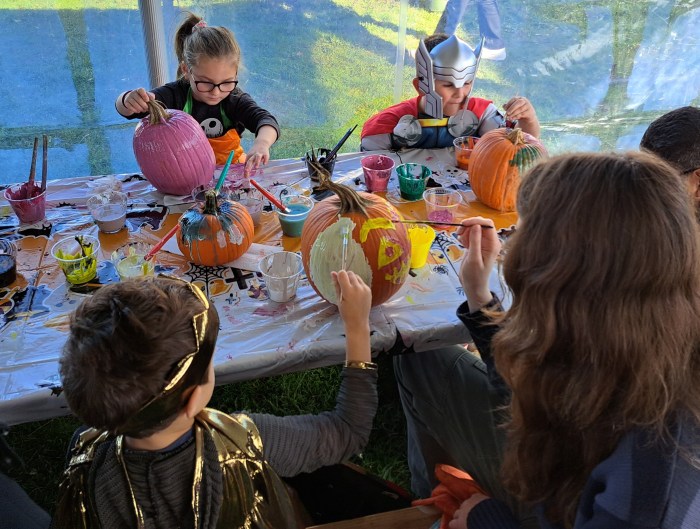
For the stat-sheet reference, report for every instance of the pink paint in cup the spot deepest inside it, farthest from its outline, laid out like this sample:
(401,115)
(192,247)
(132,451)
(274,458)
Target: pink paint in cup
(441,204)
(28,202)
(377,169)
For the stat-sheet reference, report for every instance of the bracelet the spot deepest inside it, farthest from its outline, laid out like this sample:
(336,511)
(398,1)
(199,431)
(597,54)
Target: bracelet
(124,97)
(360,365)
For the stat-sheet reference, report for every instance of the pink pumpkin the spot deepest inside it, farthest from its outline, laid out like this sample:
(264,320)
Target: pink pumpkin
(172,151)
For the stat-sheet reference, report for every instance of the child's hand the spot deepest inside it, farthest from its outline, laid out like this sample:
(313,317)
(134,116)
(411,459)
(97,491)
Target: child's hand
(483,247)
(520,109)
(354,298)
(135,102)
(259,153)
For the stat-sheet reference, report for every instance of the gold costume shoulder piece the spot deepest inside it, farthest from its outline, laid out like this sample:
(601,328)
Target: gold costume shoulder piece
(72,507)
(254,495)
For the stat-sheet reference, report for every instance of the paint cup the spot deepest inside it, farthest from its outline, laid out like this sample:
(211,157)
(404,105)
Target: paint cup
(225,192)
(377,170)
(281,273)
(321,155)
(252,201)
(129,261)
(254,206)
(463,150)
(412,177)
(293,222)
(8,262)
(422,237)
(28,210)
(441,204)
(108,210)
(77,257)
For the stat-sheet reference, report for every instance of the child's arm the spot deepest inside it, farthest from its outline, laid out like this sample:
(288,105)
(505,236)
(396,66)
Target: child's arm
(259,153)
(521,110)
(304,443)
(133,102)
(354,306)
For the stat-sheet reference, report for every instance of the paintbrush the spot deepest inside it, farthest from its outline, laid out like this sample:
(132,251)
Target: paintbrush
(32,170)
(346,233)
(45,163)
(162,242)
(335,149)
(224,172)
(270,197)
(437,223)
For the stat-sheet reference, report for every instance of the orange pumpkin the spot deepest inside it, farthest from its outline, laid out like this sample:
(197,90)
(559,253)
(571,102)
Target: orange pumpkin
(498,160)
(215,232)
(357,228)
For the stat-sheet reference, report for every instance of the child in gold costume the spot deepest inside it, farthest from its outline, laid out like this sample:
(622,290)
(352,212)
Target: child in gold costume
(137,369)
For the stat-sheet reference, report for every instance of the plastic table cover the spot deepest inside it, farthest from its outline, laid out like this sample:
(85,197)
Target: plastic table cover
(258,337)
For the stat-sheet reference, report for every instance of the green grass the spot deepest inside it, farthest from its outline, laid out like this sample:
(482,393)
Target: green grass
(42,445)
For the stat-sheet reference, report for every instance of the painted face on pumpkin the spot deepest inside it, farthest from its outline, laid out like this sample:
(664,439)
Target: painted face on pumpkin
(221,71)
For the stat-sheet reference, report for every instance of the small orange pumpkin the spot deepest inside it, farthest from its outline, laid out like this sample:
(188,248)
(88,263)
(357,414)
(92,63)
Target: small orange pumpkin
(376,249)
(498,160)
(215,232)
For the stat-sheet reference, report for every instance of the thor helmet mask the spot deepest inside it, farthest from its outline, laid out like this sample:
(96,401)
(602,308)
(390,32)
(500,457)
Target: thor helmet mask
(452,61)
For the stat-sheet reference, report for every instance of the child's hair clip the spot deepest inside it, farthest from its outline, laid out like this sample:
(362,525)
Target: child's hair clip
(199,25)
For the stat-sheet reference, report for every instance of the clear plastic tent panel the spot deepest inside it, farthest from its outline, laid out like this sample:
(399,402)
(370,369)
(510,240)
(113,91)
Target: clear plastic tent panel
(597,72)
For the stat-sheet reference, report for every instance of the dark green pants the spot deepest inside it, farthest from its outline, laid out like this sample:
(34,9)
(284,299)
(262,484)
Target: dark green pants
(452,417)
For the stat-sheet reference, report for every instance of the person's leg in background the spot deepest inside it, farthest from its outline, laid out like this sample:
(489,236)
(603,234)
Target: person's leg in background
(449,407)
(452,16)
(490,29)
(17,510)
(452,417)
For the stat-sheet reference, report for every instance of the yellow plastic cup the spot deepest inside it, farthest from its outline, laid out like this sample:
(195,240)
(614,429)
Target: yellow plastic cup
(422,237)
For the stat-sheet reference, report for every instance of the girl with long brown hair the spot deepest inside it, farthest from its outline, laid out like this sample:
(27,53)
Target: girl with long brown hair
(599,350)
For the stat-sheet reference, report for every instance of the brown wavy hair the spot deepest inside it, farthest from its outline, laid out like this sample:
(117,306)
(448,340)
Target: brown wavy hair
(602,336)
(207,41)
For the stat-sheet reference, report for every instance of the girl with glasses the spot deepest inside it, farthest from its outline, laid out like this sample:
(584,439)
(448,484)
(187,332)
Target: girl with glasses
(209,58)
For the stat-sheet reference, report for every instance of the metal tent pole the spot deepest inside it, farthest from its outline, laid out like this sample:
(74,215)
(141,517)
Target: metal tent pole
(400,49)
(154,36)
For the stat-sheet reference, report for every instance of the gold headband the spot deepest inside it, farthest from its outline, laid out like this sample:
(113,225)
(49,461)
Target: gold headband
(157,408)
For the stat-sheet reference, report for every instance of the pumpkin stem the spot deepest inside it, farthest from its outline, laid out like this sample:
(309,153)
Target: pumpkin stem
(211,206)
(350,200)
(516,137)
(157,112)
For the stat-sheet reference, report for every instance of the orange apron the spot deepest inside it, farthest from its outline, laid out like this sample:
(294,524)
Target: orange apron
(223,145)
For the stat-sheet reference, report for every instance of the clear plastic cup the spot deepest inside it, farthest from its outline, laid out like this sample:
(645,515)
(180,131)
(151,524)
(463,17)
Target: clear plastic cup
(293,222)
(77,256)
(108,210)
(8,262)
(441,204)
(412,177)
(28,210)
(464,146)
(377,169)
(281,271)
(129,260)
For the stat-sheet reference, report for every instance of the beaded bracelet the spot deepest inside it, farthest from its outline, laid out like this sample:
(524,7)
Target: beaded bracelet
(360,365)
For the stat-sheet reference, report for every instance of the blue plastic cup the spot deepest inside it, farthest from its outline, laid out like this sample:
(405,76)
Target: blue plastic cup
(293,222)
